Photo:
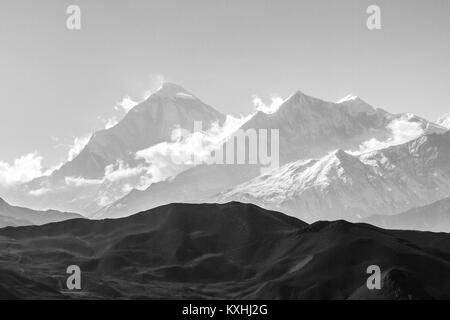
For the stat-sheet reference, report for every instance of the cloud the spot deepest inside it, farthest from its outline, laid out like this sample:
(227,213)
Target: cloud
(152,85)
(121,171)
(23,169)
(78,145)
(187,149)
(126,104)
(39,192)
(80,182)
(156,82)
(111,122)
(276,102)
(402,130)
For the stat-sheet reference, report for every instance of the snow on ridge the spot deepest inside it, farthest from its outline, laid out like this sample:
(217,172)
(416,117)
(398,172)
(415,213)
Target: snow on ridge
(444,120)
(349,97)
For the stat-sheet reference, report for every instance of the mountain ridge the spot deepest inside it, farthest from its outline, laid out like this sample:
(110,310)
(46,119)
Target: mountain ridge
(432,217)
(357,122)
(221,251)
(341,185)
(20,216)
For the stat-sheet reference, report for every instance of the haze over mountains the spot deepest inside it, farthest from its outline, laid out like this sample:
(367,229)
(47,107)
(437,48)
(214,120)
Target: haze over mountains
(307,127)
(346,186)
(433,217)
(229,251)
(344,160)
(18,216)
(110,155)
(113,176)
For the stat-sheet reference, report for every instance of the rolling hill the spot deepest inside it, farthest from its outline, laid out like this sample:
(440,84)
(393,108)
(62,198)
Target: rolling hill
(228,251)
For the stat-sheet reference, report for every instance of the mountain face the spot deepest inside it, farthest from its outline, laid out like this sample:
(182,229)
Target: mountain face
(433,217)
(342,185)
(229,251)
(17,216)
(310,127)
(191,186)
(78,184)
(444,121)
(307,127)
(147,124)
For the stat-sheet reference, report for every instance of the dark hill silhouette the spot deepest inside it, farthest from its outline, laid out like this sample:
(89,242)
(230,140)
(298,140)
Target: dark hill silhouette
(231,251)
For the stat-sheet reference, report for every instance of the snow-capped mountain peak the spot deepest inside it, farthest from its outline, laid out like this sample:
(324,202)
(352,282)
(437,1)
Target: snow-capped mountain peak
(170,89)
(341,185)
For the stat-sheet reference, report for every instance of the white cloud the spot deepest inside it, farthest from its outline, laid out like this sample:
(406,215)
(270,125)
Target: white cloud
(402,130)
(121,171)
(80,182)
(275,103)
(126,104)
(23,169)
(111,122)
(187,149)
(39,192)
(78,145)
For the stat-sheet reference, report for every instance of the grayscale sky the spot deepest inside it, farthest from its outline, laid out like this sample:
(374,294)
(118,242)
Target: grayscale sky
(57,84)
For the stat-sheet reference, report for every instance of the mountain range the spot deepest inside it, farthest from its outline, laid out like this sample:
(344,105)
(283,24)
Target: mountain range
(82,183)
(308,127)
(433,217)
(342,185)
(228,251)
(342,159)
(18,216)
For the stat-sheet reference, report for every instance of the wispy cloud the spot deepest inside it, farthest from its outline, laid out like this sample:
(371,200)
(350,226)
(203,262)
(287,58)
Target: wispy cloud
(23,169)
(81,182)
(78,145)
(154,83)
(39,192)
(126,104)
(401,130)
(167,159)
(275,103)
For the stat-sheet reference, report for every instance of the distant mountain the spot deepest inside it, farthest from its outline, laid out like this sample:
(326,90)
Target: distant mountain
(444,121)
(433,217)
(147,124)
(308,127)
(342,185)
(193,185)
(18,216)
(229,251)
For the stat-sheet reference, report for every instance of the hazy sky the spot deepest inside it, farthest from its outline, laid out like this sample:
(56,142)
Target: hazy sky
(57,84)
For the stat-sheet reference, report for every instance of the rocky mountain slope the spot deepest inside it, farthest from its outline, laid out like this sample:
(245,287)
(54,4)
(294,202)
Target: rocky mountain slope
(342,185)
(307,127)
(80,183)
